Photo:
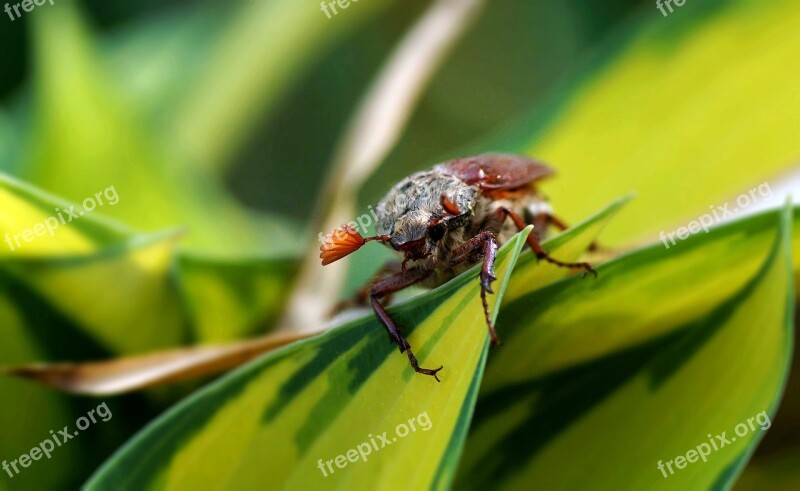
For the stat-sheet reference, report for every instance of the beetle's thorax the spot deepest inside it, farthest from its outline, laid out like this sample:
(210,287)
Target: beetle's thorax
(406,212)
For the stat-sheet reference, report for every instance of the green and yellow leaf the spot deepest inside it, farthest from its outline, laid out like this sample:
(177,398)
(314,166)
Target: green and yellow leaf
(637,117)
(600,380)
(112,146)
(273,420)
(233,299)
(79,262)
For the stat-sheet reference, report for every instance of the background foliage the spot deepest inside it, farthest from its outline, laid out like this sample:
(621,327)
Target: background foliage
(216,124)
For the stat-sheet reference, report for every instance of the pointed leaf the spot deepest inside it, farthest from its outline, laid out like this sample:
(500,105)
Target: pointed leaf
(635,117)
(602,380)
(112,146)
(313,400)
(70,263)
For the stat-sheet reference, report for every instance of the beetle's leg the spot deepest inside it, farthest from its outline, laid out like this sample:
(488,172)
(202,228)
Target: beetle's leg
(533,242)
(484,244)
(543,220)
(361,296)
(387,286)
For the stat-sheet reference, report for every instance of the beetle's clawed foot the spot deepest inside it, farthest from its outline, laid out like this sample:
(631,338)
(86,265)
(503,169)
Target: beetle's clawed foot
(404,347)
(425,371)
(587,268)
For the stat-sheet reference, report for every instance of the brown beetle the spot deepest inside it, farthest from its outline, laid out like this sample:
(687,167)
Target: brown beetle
(444,221)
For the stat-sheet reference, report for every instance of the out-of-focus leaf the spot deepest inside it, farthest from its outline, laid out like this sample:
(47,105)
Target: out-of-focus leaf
(513,41)
(92,289)
(153,60)
(665,343)
(112,147)
(233,299)
(61,233)
(58,297)
(273,43)
(278,416)
(9,140)
(32,331)
(124,296)
(688,111)
(34,409)
(115,286)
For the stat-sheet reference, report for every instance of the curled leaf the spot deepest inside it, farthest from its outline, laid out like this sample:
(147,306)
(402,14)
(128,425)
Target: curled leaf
(133,373)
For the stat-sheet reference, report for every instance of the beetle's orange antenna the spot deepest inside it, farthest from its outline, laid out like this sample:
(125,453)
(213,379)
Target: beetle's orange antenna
(342,242)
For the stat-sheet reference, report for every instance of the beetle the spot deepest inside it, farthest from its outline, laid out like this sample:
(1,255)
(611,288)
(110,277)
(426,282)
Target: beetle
(444,221)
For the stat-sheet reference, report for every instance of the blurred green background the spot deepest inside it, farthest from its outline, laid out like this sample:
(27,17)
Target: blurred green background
(217,124)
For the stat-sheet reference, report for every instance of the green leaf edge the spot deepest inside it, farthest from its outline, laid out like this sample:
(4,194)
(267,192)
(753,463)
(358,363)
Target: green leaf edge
(783,245)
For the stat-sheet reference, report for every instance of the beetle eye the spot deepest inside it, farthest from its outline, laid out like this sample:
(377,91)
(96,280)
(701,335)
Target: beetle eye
(436,232)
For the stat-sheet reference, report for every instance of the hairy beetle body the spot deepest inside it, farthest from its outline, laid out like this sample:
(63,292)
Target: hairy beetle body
(410,206)
(445,220)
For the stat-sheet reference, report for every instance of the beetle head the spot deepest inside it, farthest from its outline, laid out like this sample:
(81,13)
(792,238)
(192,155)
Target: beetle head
(418,233)
(409,233)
